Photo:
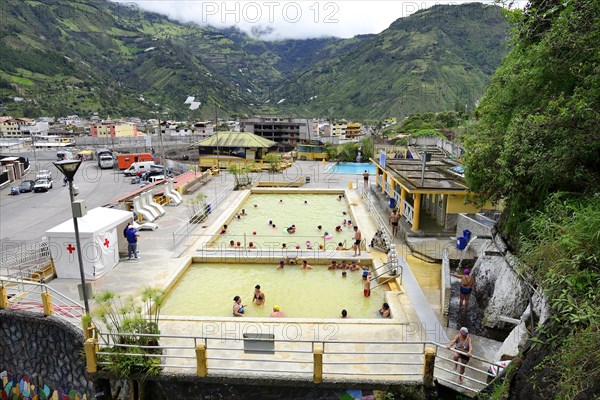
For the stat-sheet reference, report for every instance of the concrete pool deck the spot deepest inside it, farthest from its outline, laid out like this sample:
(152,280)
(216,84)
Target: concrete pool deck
(157,267)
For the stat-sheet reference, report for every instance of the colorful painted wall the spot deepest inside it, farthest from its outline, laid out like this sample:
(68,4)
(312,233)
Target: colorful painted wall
(23,388)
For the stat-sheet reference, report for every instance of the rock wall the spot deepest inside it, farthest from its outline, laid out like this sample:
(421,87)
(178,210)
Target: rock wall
(500,292)
(45,349)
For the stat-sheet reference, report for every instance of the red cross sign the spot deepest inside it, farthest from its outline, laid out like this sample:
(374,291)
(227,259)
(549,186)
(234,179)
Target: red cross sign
(70,248)
(106,242)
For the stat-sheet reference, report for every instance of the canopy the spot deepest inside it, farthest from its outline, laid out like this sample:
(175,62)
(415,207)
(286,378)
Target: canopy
(100,232)
(236,139)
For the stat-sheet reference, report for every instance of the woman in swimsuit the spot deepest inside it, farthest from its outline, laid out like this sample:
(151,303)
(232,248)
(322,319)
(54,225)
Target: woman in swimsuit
(467,286)
(462,342)
(259,297)
(238,308)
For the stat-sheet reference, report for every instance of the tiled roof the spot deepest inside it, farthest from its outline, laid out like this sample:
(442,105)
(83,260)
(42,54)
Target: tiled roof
(236,139)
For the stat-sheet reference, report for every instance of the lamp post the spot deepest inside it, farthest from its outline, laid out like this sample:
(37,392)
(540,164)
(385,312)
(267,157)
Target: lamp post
(69,169)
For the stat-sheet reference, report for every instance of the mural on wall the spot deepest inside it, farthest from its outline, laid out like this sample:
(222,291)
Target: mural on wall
(14,388)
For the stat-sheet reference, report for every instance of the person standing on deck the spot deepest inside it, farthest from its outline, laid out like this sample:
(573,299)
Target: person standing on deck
(394,218)
(357,239)
(366,178)
(467,286)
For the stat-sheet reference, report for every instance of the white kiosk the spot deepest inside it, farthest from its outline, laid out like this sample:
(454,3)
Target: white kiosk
(101,234)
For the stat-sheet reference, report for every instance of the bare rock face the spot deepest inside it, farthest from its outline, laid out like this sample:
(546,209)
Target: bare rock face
(500,292)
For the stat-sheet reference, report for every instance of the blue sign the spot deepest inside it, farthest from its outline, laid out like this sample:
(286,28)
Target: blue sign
(382,158)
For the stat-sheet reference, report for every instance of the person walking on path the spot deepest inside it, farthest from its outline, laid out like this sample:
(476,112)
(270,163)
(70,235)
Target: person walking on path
(132,246)
(357,239)
(462,342)
(467,286)
(366,178)
(394,218)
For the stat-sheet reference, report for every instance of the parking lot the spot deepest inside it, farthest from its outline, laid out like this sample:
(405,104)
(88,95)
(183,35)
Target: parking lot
(26,217)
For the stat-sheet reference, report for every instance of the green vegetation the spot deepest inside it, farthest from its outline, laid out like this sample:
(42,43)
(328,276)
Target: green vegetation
(101,56)
(274,161)
(127,322)
(535,144)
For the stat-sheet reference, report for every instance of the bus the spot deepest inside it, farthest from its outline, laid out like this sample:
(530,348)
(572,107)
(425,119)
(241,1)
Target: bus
(311,152)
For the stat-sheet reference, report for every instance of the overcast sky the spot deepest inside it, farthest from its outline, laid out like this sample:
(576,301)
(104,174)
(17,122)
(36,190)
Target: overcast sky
(291,19)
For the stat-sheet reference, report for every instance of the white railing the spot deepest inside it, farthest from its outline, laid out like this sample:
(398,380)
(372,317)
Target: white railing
(29,259)
(278,358)
(28,296)
(408,211)
(181,235)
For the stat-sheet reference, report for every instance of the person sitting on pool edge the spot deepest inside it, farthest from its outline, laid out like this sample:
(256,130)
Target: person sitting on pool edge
(277,313)
(305,265)
(224,229)
(384,311)
(333,265)
(238,308)
(259,297)
(340,246)
(281,264)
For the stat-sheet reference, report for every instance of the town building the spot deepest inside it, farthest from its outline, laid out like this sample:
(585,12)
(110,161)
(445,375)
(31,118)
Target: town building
(9,127)
(286,132)
(111,129)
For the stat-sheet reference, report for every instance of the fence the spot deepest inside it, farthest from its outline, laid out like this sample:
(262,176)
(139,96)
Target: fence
(38,297)
(266,356)
(26,262)
(181,235)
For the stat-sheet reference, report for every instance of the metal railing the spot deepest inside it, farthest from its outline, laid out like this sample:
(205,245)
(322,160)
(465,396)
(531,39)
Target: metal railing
(276,357)
(476,374)
(26,262)
(39,297)
(181,235)
(408,211)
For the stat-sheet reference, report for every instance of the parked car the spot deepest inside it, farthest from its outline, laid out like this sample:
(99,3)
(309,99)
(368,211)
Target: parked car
(42,185)
(44,174)
(26,186)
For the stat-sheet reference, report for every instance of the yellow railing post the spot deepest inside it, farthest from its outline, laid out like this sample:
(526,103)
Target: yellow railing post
(3,298)
(428,367)
(47,302)
(350,185)
(318,364)
(90,355)
(201,363)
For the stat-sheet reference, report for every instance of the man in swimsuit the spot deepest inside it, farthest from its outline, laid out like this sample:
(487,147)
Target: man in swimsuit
(394,218)
(366,178)
(333,265)
(238,308)
(384,311)
(367,285)
(281,264)
(305,265)
(462,342)
(259,297)
(467,286)
(357,239)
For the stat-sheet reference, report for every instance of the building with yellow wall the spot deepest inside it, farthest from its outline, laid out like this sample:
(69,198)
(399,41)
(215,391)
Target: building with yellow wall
(427,197)
(113,130)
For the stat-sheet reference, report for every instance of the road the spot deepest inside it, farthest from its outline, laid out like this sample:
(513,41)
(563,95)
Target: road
(26,217)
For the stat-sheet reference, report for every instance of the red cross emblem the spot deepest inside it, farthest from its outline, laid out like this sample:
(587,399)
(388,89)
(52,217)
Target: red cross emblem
(70,248)
(106,242)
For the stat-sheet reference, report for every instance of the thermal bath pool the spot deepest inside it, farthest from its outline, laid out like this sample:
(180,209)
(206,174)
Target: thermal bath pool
(208,290)
(320,209)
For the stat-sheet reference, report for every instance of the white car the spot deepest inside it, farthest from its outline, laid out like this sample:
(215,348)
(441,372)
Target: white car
(42,185)
(44,174)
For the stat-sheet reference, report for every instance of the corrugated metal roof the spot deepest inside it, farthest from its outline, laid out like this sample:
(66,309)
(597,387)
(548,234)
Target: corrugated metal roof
(236,139)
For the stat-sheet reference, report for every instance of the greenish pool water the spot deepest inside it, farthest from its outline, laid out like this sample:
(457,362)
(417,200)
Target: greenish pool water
(209,289)
(284,210)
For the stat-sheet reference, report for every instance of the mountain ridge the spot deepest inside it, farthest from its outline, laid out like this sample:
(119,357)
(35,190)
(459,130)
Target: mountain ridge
(98,56)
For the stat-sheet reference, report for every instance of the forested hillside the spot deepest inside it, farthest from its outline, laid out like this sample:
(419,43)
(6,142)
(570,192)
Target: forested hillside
(536,145)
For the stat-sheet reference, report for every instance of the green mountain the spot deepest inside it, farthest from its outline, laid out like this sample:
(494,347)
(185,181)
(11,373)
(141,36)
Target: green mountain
(91,56)
(441,58)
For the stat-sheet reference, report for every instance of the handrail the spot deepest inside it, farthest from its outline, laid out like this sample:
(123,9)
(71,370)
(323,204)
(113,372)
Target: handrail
(27,295)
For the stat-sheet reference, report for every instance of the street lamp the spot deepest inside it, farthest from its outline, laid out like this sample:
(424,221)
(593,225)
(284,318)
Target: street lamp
(69,169)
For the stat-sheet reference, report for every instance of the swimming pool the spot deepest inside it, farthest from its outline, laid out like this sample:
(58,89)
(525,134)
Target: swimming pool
(305,210)
(208,290)
(352,168)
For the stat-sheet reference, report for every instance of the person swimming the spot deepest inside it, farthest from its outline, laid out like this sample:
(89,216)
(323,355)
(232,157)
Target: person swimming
(281,264)
(231,243)
(338,228)
(259,297)
(319,227)
(291,229)
(270,222)
(238,307)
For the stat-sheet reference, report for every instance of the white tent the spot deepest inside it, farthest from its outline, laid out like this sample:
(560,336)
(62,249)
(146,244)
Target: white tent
(101,234)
